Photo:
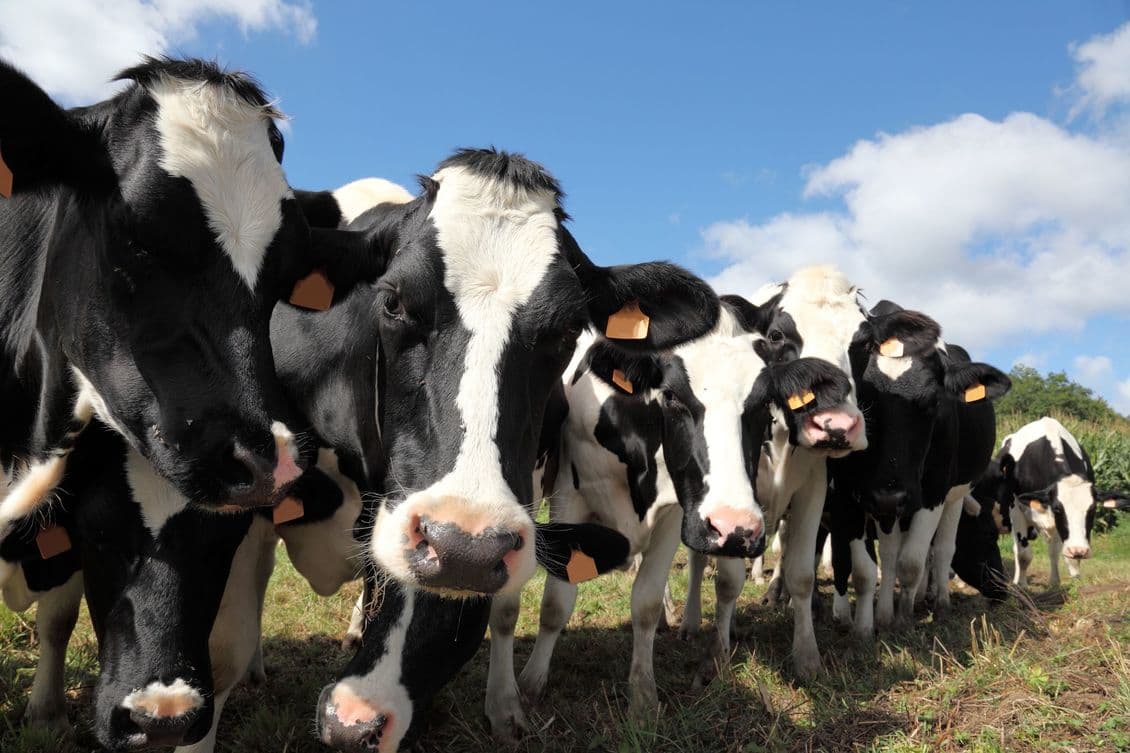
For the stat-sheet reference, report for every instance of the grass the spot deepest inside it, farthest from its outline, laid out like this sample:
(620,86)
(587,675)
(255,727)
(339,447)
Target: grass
(1046,673)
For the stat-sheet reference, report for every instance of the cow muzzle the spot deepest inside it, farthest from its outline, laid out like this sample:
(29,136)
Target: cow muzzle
(734,532)
(256,479)
(163,714)
(1077,552)
(839,430)
(350,723)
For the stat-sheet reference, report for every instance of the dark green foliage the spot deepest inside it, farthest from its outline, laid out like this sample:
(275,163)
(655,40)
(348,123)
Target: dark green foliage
(1033,396)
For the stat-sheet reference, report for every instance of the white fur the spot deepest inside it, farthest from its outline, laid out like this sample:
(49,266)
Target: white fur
(158,499)
(139,699)
(893,368)
(219,143)
(356,198)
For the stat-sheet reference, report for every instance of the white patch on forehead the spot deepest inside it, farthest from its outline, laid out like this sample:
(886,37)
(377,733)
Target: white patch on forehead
(893,368)
(497,241)
(1077,498)
(219,143)
(156,498)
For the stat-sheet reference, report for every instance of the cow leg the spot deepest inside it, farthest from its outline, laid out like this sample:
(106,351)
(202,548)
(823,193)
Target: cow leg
(945,544)
(692,614)
(557,603)
(729,577)
(264,566)
(912,559)
(503,705)
(208,743)
(757,570)
(1055,548)
(864,576)
(776,593)
(55,620)
(1021,551)
(356,629)
(889,544)
(842,569)
(647,603)
(799,568)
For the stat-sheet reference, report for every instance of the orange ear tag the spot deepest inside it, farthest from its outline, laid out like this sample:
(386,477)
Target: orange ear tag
(796,402)
(975,393)
(581,567)
(892,348)
(52,541)
(314,292)
(1036,505)
(1110,504)
(289,509)
(5,178)
(629,323)
(621,381)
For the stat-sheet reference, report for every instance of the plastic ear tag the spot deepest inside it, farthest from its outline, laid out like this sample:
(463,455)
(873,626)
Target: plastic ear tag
(5,178)
(52,541)
(892,348)
(975,393)
(289,509)
(314,292)
(796,402)
(1110,504)
(629,323)
(1036,505)
(581,567)
(622,381)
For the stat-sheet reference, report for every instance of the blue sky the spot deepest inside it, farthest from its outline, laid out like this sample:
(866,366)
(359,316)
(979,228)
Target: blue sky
(739,139)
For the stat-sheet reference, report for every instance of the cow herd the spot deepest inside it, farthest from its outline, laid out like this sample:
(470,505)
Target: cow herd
(200,362)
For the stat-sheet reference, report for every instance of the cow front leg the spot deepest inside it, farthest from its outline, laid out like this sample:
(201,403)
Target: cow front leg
(945,544)
(557,603)
(799,568)
(912,560)
(356,630)
(1021,551)
(729,577)
(692,614)
(647,605)
(503,705)
(55,620)
(1055,549)
(864,578)
(889,544)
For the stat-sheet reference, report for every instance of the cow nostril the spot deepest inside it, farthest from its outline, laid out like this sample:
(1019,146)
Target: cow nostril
(519,542)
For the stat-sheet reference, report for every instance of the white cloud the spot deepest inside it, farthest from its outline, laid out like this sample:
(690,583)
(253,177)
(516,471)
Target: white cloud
(72,47)
(1031,360)
(1091,369)
(1103,76)
(998,229)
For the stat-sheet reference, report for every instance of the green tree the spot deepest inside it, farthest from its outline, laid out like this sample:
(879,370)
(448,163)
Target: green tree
(1033,395)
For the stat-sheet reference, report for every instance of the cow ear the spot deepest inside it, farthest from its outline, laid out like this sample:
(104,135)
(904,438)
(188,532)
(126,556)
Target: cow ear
(629,373)
(339,260)
(577,552)
(802,386)
(751,317)
(41,145)
(1038,501)
(972,382)
(642,307)
(900,333)
(1111,500)
(1007,465)
(320,208)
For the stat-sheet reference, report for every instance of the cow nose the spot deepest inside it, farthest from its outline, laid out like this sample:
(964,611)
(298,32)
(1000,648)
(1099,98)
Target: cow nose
(347,722)
(739,533)
(1077,552)
(833,429)
(252,477)
(889,502)
(443,555)
(164,713)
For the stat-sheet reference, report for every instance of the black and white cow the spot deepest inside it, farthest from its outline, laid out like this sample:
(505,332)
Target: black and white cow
(1043,481)
(145,244)
(664,448)
(931,428)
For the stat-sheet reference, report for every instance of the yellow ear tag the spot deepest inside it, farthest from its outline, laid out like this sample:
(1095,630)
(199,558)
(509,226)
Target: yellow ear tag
(975,393)
(52,541)
(622,381)
(629,323)
(796,402)
(287,510)
(314,292)
(1110,504)
(1036,505)
(5,178)
(892,348)
(581,567)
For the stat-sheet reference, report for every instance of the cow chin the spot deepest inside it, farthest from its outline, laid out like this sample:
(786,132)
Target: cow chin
(159,714)
(363,722)
(454,548)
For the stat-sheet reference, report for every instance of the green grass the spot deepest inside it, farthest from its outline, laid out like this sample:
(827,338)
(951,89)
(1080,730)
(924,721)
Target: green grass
(1050,673)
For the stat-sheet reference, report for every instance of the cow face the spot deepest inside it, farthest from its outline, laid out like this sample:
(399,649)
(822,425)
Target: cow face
(814,315)
(714,420)
(478,313)
(1069,507)
(905,378)
(172,234)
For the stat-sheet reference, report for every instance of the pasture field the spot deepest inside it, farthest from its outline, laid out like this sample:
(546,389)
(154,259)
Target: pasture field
(1047,673)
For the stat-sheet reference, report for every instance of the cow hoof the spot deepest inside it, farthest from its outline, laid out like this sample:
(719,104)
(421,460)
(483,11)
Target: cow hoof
(257,677)
(54,720)
(864,635)
(807,665)
(532,687)
(689,632)
(774,593)
(645,704)
(507,720)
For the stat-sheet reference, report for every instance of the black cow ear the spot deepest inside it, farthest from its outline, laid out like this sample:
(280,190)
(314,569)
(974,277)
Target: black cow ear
(972,382)
(629,373)
(1038,501)
(577,552)
(1111,500)
(340,260)
(1007,465)
(904,333)
(806,384)
(320,208)
(41,145)
(750,316)
(641,307)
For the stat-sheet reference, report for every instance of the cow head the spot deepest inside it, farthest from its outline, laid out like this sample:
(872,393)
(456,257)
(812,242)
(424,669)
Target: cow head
(478,310)
(154,233)
(814,315)
(1069,507)
(905,377)
(714,394)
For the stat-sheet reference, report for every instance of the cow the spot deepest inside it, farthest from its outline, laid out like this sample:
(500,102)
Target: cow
(664,448)
(1043,481)
(931,429)
(144,245)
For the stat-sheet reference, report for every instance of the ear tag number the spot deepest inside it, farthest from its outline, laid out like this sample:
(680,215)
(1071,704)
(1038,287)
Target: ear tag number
(975,393)
(581,567)
(629,323)
(52,541)
(892,348)
(796,402)
(289,509)
(314,292)
(5,178)
(622,381)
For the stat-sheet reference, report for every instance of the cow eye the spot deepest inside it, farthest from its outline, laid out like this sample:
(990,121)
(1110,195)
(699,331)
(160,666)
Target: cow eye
(671,399)
(571,333)
(392,305)
(776,336)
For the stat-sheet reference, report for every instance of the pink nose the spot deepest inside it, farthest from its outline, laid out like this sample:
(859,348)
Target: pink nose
(834,427)
(730,521)
(1077,552)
